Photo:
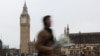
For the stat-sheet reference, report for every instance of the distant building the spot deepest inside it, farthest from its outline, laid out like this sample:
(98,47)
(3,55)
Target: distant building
(87,44)
(14,52)
(32,47)
(5,50)
(0,47)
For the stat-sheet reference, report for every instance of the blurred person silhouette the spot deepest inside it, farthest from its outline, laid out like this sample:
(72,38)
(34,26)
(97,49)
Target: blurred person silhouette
(45,39)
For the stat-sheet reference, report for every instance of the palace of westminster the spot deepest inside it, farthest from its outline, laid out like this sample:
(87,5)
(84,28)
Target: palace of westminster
(87,43)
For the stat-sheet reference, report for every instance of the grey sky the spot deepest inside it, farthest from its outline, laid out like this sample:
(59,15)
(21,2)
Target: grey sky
(81,15)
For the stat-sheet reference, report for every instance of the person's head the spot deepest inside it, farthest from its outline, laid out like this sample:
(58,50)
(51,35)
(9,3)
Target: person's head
(47,21)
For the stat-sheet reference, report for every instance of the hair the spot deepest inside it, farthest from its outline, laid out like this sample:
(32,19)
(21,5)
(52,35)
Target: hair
(45,18)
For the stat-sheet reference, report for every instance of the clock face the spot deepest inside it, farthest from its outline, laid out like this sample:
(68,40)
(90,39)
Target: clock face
(23,20)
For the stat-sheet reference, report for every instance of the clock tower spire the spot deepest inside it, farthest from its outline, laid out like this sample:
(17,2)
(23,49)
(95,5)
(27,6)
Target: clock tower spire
(24,30)
(25,12)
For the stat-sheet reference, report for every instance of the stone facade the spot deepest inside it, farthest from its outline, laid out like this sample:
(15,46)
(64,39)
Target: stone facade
(32,47)
(87,44)
(26,46)
(24,30)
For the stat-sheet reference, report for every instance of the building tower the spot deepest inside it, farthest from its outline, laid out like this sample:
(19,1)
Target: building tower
(67,29)
(65,32)
(24,30)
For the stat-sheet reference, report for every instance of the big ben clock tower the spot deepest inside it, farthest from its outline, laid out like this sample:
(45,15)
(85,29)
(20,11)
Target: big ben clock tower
(24,30)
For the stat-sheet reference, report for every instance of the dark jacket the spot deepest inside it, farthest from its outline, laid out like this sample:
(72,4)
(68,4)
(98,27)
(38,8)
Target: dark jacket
(43,43)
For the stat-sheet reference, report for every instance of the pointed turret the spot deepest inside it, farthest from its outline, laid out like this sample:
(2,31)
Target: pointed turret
(65,32)
(25,5)
(25,12)
(67,29)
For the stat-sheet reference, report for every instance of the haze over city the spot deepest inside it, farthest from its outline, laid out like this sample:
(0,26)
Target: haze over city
(80,15)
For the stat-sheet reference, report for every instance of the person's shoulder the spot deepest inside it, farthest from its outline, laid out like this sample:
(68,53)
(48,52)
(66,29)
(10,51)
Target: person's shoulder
(42,31)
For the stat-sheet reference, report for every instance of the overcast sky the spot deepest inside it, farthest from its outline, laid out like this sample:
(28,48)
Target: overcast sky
(81,15)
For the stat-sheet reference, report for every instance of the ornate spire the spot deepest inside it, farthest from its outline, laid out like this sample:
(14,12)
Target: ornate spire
(25,6)
(25,9)
(67,29)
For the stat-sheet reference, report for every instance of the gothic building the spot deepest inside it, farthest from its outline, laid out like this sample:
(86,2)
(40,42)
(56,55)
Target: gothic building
(25,45)
(84,43)
(32,47)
